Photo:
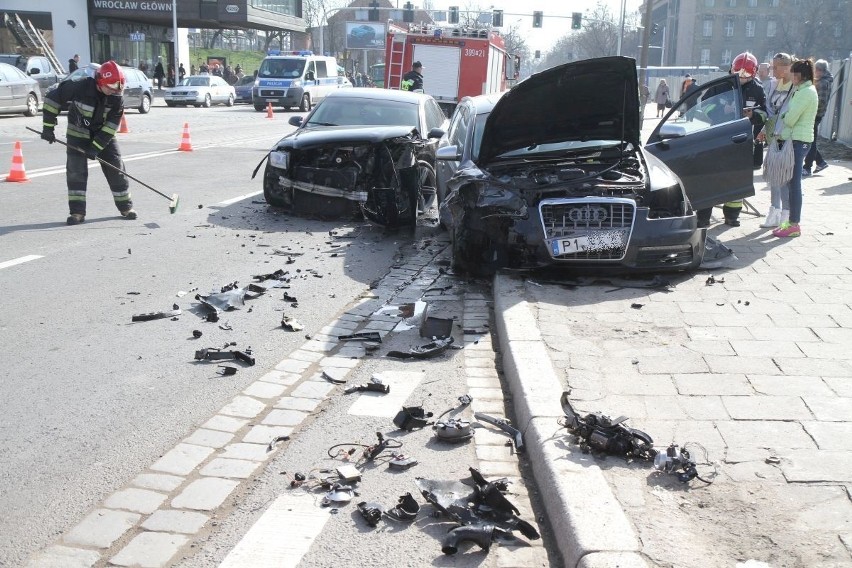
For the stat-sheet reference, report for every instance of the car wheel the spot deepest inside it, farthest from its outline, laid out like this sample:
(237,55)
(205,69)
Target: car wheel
(305,105)
(259,108)
(170,103)
(230,102)
(207,101)
(428,182)
(32,105)
(146,105)
(474,252)
(274,194)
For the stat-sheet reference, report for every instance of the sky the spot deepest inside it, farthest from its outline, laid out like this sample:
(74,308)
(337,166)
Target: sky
(552,28)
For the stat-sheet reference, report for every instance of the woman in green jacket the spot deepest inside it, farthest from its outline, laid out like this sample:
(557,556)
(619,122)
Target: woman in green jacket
(799,129)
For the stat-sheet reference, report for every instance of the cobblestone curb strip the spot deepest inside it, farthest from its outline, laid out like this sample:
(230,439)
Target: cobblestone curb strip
(590,527)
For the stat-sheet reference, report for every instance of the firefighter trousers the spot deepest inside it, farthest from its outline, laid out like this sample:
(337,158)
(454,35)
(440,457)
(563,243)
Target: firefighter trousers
(77,175)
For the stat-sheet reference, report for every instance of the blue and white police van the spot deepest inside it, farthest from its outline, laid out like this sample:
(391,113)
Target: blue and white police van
(295,79)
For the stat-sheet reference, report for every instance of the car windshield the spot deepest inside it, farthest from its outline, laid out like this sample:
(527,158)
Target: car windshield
(245,81)
(195,82)
(349,111)
(282,68)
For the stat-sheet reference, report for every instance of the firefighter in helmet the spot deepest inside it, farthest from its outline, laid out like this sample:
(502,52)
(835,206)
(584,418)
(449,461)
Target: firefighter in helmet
(95,108)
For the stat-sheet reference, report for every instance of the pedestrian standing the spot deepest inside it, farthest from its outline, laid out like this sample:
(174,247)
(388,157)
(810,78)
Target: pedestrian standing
(661,97)
(413,80)
(798,128)
(159,73)
(95,109)
(822,81)
(72,63)
(780,91)
(182,72)
(644,93)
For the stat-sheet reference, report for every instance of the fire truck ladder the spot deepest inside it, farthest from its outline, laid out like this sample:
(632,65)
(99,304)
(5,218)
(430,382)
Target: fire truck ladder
(31,39)
(397,62)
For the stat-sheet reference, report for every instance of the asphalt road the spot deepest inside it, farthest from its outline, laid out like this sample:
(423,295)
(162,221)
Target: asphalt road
(89,399)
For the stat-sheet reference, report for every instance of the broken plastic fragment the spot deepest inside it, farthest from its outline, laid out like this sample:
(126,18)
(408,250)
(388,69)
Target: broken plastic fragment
(424,351)
(213,354)
(227,370)
(196,333)
(372,512)
(339,494)
(291,324)
(156,315)
(362,336)
(406,509)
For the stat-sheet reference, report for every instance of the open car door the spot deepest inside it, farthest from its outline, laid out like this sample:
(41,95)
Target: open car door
(707,141)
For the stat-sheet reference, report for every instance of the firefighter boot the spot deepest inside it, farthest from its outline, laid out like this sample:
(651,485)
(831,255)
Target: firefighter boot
(128,214)
(731,215)
(75,219)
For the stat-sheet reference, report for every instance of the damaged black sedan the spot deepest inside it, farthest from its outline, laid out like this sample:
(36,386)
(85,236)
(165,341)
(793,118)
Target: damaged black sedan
(560,177)
(360,151)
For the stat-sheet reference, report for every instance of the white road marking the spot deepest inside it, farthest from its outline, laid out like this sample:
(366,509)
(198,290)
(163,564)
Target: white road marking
(402,384)
(239,198)
(20,260)
(282,535)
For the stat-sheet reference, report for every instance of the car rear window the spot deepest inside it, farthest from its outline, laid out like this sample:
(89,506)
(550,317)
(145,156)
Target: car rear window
(348,111)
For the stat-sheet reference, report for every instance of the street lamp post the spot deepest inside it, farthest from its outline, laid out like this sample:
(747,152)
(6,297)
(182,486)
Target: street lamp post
(621,32)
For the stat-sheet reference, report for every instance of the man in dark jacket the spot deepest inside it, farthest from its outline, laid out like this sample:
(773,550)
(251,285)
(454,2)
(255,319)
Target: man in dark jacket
(72,63)
(822,81)
(159,73)
(413,80)
(94,113)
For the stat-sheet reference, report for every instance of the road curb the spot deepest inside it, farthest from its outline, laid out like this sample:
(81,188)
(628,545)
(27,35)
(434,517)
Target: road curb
(589,525)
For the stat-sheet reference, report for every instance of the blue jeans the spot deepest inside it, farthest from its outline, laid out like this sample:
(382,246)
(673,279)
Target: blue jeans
(800,150)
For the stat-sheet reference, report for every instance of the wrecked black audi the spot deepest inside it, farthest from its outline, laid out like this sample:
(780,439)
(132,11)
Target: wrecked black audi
(560,176)
(360,151)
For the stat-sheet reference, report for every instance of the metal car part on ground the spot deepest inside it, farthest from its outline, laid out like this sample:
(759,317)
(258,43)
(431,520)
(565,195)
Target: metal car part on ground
(603,434)
(561,177)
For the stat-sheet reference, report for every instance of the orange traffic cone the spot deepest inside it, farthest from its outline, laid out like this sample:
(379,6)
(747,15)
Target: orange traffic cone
(269,113)
(122,129)
(185,144)
(17,173)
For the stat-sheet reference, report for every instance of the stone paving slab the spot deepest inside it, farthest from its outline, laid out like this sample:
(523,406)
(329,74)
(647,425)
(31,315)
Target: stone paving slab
(149,550)
(205,494)
(169,520)
(136,500)
(64,557)
(101,527)
(182,459)
(157,481)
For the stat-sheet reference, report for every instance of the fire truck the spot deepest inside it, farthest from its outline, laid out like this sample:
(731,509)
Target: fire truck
(457,62)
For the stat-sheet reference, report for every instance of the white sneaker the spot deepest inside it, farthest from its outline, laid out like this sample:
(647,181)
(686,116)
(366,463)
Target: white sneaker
(772,220)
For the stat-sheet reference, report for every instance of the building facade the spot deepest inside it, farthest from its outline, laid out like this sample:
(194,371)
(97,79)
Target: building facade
(713,32)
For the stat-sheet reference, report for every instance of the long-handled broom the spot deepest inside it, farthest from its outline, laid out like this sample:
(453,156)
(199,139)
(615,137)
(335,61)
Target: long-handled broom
(173,200)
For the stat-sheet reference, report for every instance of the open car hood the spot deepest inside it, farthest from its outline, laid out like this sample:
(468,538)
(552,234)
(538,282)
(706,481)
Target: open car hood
(593,99)
(313,136)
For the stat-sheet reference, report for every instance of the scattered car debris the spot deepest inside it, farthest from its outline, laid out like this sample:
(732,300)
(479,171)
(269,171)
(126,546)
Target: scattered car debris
(133,293)
(175,311)
(212,317)
(371,346)
(214,354)
(227,370)
(196,333)
(226,326)
(482,509)
(375,385)
(773,460)
(401,461)
(436,328)
(713,280)
(600,432)
(423,351)
(678,461)
(271,446)
(279,274)
(453,430)
(506,426)
(339,494)
(362,336)
(372,512)
(291,324)
(406,509)
(636,306)
(411,418)
(716,254)
(335,375)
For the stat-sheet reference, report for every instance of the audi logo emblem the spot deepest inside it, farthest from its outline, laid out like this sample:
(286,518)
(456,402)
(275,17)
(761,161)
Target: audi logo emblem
(587,214)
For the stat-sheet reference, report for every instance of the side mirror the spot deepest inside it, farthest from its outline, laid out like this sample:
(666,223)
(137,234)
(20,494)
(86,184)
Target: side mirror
(669,131)
(34,71)
(450,153)
(295,121)
(436,133)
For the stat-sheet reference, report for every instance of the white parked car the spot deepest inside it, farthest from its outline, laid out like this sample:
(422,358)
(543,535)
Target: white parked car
(201,90)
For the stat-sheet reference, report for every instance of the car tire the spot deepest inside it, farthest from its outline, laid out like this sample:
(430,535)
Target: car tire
(259,108)
(145,106)
(428,182)
(207,101)
(32,105)
(474,253)
(230,102)
(273,193)
(170,104)
(305,105)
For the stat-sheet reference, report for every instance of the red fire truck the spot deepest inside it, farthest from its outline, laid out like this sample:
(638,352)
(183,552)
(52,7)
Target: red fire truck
(456,62)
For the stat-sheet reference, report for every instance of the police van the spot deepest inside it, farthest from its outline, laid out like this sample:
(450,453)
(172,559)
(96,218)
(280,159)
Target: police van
(297,79)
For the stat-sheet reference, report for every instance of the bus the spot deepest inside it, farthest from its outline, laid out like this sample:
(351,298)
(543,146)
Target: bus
(377,74)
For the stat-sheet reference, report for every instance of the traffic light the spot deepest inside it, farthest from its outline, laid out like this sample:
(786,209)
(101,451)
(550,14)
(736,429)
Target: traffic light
(408,12)
(537,18)
(497,18)
(654,29)
(576,20)
(454,15)
(373,16)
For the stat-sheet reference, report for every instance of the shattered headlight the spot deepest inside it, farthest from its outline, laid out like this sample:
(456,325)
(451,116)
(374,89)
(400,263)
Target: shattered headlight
(279,159)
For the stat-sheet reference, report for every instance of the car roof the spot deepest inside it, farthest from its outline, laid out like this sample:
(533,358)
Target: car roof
(380,94)
(483,103)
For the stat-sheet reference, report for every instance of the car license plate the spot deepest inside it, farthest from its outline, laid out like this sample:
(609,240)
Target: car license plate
(569,245)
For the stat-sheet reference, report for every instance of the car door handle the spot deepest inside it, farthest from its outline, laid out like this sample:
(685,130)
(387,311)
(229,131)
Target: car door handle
(739,138)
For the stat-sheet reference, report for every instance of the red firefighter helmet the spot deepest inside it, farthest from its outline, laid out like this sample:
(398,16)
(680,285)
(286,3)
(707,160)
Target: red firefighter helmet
(745,65)
(110,75)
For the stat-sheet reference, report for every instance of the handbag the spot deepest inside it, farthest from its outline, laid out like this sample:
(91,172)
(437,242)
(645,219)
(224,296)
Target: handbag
(668,103)
(778,164)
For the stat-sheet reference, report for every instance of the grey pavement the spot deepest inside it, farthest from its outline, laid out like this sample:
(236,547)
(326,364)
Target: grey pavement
(753,373)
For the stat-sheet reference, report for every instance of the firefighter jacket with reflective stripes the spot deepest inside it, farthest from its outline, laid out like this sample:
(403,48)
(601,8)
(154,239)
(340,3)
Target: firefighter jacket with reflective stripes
(92,115)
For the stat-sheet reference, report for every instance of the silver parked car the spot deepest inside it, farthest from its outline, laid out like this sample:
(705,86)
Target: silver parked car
(18,93)
(201,90)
